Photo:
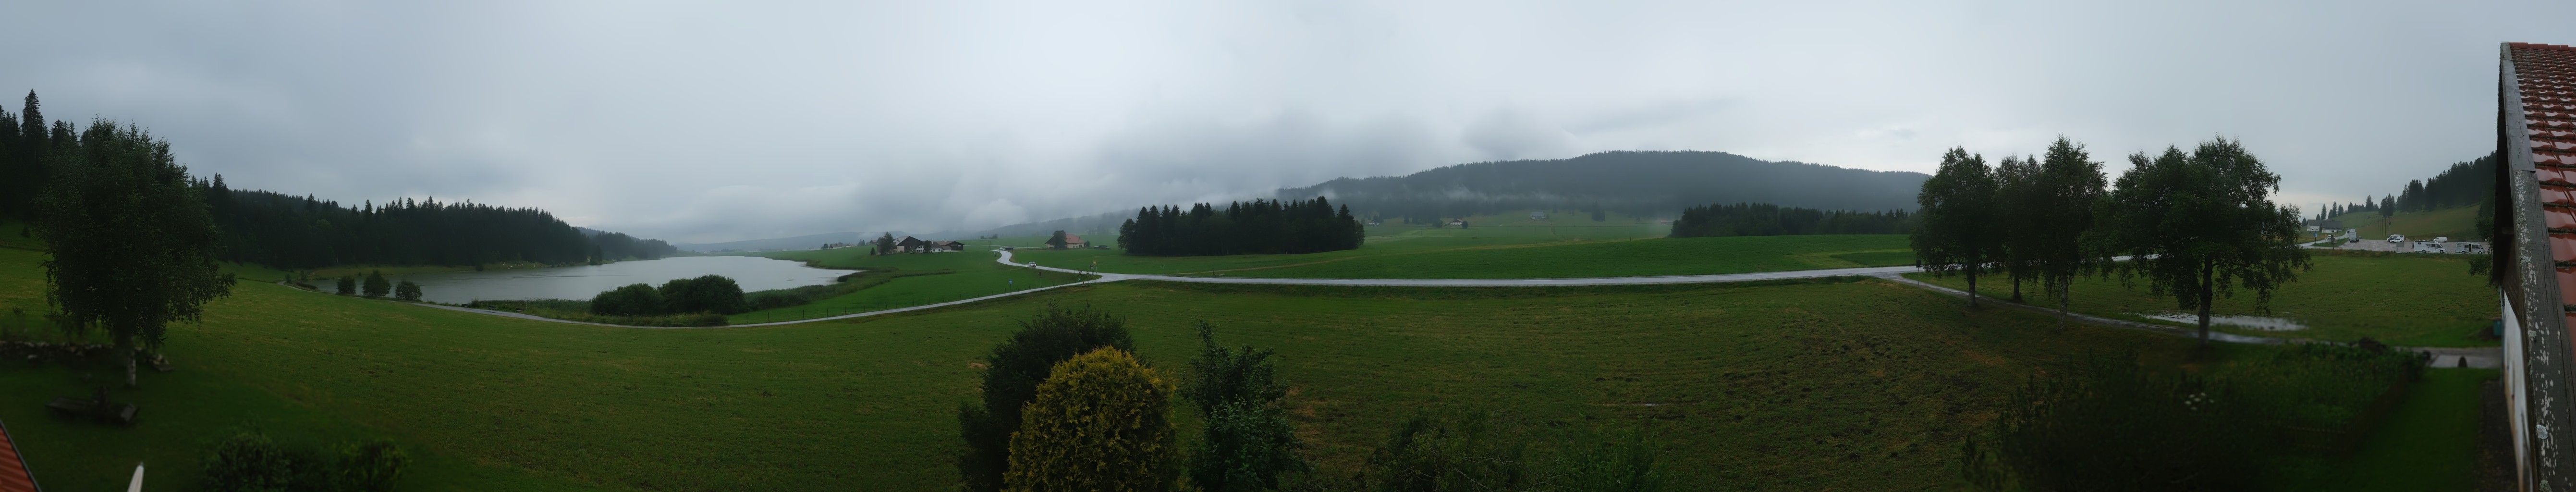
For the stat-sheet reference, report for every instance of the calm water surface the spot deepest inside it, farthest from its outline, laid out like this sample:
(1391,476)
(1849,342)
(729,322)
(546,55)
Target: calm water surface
(582,282)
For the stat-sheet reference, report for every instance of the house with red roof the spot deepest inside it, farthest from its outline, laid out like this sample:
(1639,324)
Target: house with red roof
(14,476)
(2535,257)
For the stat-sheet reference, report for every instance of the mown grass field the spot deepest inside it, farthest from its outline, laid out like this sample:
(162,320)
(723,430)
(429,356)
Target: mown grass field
(2429,442)
(907,280)
(2458,223)
(1516,251)
(2411,300)
(1826,385)
(1751,387)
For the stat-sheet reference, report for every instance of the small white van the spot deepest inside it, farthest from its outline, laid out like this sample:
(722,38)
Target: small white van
(2396,238)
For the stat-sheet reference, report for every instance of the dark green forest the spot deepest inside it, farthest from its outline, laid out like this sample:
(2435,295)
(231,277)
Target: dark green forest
(1629,183)
(1763,219)
(1243,228)
(287,231)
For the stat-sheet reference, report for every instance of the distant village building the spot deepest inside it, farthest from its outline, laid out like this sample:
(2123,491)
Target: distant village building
(1538,215)
(909,244)
(1072,241)
(2326,226)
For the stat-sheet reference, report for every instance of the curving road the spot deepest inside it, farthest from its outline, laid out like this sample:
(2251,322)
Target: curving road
(1490,282)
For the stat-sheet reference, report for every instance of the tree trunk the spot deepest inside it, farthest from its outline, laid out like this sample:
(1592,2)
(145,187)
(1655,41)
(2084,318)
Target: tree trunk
(2016,280)
(2204,305)
(125,345)
(1972,286)
(2065,294)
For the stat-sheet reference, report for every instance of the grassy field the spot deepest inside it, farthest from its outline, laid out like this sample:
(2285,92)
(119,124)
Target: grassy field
(1750,387)
(2458,223)
(907,280)
(1515,252)
(2412,300)
(2429,442)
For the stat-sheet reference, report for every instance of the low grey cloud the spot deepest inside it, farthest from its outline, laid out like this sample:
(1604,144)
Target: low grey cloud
(711,122)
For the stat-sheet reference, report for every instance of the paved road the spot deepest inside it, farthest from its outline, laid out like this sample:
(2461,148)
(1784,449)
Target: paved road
(1491,282)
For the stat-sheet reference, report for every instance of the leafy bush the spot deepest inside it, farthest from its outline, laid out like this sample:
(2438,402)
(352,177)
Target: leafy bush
(371,466)
(631,300)
(2100,422)
(1448,453)
(376,285)
(407,291)
(1011,377)
(2320,385)
(1248,441)
(348,285)
(247,460)
(706,294)
(1100,422)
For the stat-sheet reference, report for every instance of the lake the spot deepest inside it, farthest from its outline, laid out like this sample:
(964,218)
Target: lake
(582,282)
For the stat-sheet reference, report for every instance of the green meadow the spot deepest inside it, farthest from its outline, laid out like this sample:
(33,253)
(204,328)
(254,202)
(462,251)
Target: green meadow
(903,280)
(1841,384)
(2458,223)
(1511,246)
(2411,300)
(1753,384)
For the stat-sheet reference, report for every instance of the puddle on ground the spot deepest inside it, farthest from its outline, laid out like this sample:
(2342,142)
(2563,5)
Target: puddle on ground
(2253,322)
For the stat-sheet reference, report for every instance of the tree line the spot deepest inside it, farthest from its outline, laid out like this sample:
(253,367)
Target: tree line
(1763,219)
(2196,225)
(1255,227)
(288,231)
(2464,183)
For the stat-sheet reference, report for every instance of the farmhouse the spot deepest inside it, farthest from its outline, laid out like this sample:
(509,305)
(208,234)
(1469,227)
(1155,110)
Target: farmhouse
(14,476)
(1072,241)
(908,244)
(2536,141)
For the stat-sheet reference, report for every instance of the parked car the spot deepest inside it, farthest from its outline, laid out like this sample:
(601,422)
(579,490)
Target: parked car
(2396,238)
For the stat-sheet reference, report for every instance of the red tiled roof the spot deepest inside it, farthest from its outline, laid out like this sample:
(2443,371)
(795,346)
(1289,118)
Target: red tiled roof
(1069,238)
(2545,78)
(14,476)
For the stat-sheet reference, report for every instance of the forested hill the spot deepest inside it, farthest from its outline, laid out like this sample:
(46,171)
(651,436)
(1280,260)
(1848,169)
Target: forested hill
(287,231)
(1634,183)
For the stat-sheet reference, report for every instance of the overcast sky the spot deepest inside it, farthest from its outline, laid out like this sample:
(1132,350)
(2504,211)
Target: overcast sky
(740,120)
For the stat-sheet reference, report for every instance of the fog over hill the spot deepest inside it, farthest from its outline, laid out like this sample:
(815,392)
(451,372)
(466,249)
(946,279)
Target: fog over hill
(1638,183)
(1634,183)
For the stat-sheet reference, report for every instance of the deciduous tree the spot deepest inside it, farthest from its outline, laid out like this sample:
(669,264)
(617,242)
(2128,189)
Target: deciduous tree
(1957,213)
(131,245)
(2201,225)
(1248,442)
(376,286)
(405,290)
(2068,188)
